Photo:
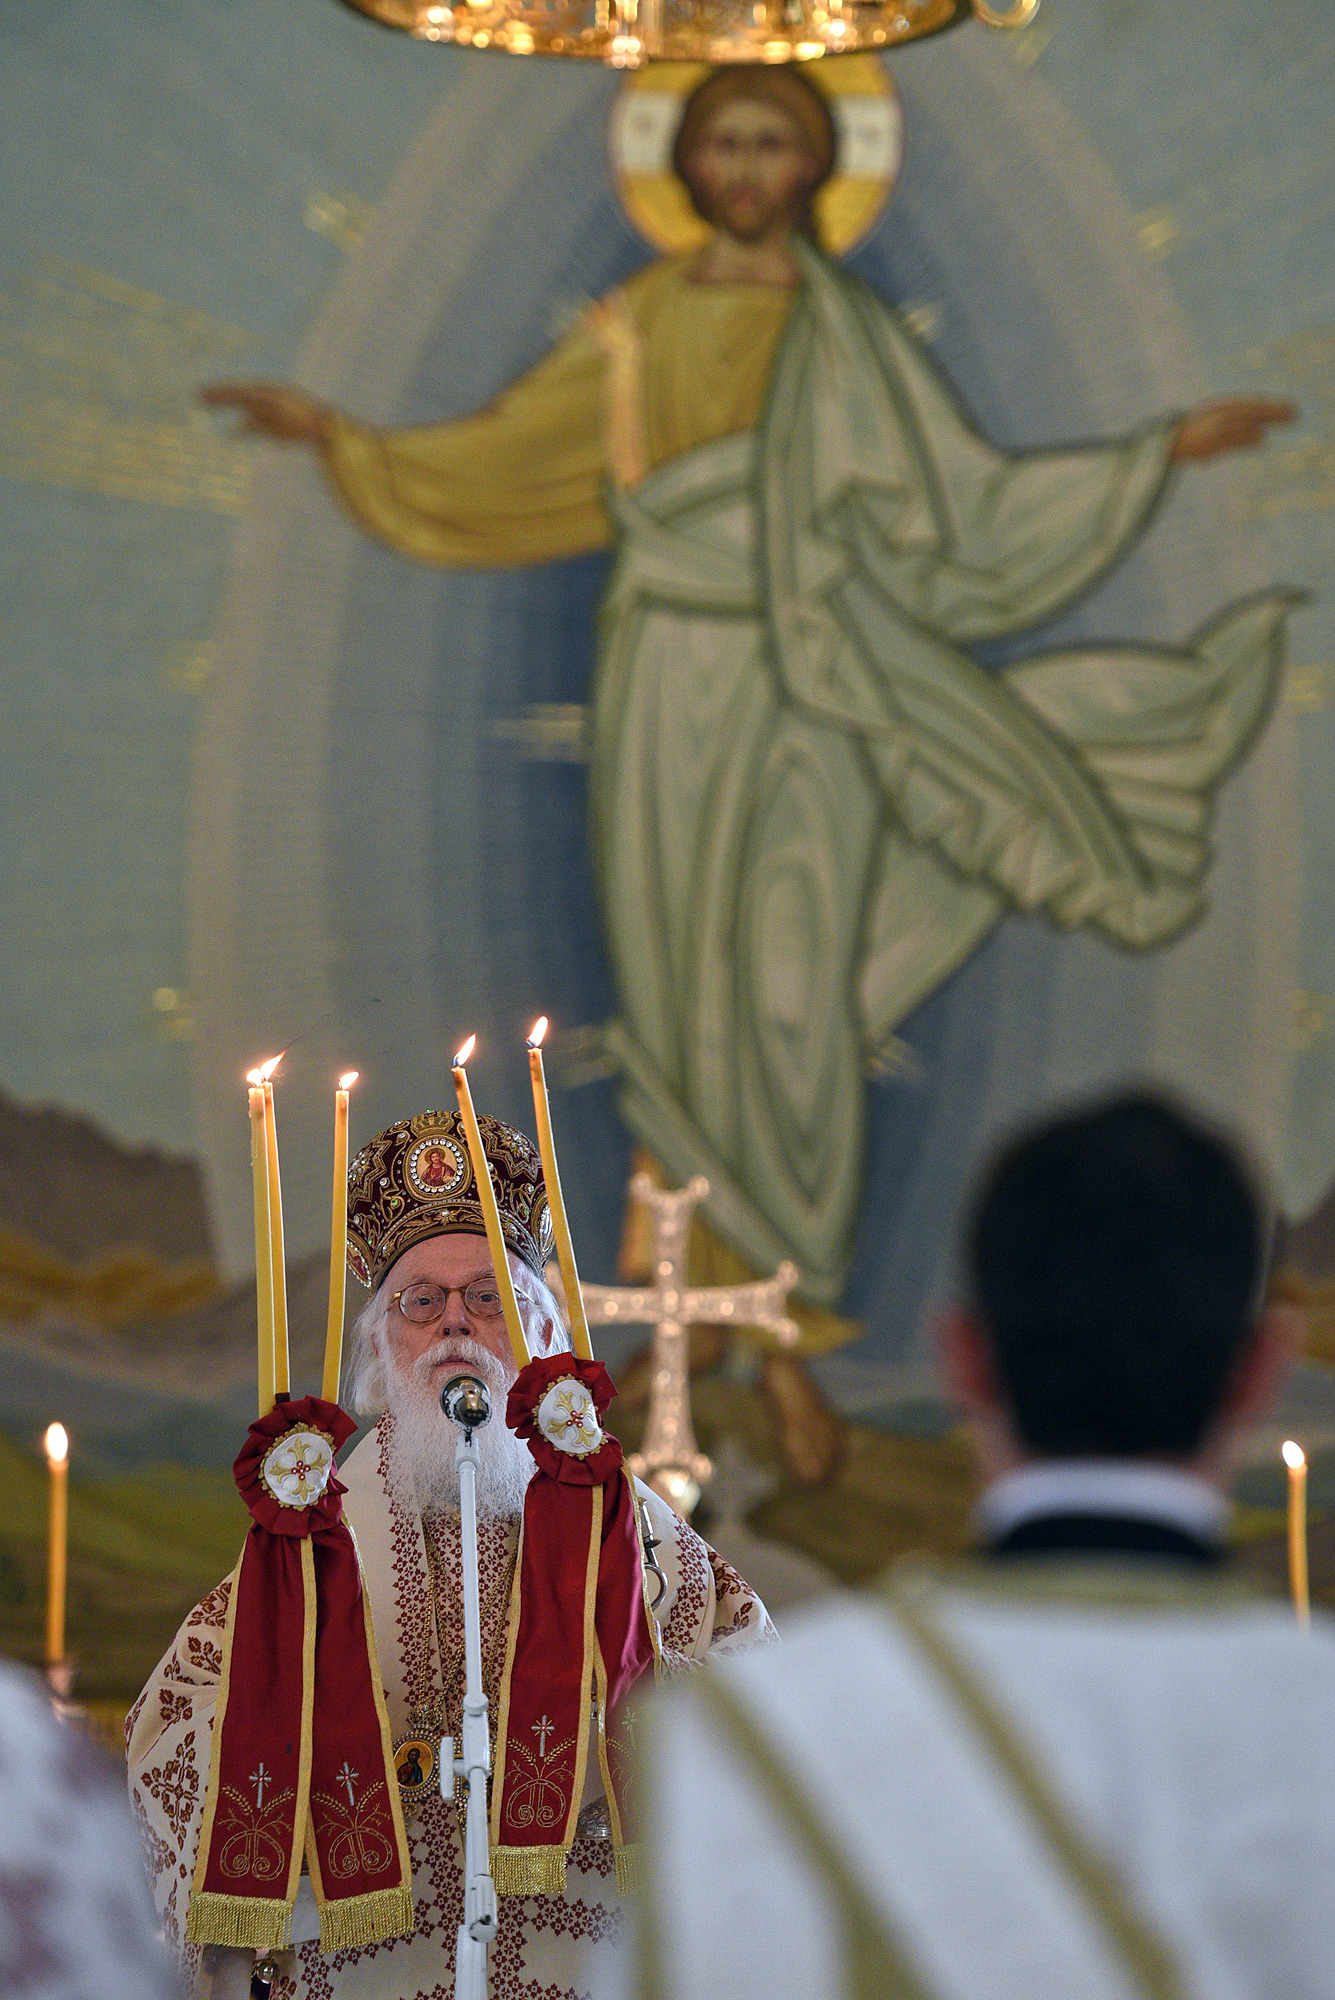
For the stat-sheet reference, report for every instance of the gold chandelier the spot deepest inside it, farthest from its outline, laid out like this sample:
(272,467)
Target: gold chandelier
(627,33)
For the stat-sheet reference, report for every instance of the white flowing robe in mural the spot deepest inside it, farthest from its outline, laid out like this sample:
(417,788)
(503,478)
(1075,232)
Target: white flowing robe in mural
(559,1947)
(810,803)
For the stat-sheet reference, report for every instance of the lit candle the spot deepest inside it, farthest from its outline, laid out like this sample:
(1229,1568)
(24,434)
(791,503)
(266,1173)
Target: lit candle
(338,1243)
(491,1215)
(565,1249)
(1296,1461)
(277,1263)
(57,1445)
(259,1176)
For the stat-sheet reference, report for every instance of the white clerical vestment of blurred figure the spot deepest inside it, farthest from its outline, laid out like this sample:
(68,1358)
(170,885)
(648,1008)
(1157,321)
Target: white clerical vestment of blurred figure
(1100,1785)
(556,1947)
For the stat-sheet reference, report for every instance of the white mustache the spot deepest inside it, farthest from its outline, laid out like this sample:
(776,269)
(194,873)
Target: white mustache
(459,1347)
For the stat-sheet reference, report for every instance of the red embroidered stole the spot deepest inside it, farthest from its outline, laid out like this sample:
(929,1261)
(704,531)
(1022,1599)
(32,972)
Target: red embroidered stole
(580,1629)
(301,1760)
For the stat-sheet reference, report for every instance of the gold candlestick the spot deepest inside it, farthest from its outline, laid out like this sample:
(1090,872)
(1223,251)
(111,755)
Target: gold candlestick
(1296,1460)
(565,1249)
(259,1176)
(277,1262)
(338,1244)
(57,1446)
(491,1214)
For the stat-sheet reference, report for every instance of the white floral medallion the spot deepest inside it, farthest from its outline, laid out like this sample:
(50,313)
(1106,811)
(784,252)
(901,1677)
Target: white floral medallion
(568,1417)
(297,1467)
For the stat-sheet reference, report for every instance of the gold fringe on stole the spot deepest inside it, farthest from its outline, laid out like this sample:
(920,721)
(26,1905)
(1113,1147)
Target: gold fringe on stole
(369,1919)
(630,1868)
(251,1923)
(529,1871)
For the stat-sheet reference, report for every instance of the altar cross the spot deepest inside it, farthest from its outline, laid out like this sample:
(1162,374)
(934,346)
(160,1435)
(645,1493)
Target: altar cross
(670,1460)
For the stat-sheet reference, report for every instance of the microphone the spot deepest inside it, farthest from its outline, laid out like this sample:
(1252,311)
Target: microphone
(467,1401)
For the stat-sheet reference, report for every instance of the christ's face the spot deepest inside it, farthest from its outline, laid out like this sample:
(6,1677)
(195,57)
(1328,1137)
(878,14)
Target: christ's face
(751,169)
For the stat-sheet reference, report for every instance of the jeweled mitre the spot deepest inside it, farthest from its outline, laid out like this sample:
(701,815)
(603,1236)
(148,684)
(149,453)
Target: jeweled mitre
(416,1180)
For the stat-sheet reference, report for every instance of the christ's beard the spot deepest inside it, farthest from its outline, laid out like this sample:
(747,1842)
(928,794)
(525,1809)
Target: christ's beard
(422,1468)
(750,215)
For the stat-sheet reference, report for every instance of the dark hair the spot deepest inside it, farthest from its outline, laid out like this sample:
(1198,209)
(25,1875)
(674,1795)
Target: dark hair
(760,83)
(1116,1255)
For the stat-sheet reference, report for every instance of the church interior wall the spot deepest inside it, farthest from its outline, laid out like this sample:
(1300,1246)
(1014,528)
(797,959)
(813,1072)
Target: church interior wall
(267,784)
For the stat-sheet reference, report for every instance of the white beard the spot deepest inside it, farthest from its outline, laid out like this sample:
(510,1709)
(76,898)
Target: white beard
(422,1468)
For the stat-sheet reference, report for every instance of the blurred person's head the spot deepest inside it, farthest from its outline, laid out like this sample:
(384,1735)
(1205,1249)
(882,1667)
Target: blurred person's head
(1116,1260)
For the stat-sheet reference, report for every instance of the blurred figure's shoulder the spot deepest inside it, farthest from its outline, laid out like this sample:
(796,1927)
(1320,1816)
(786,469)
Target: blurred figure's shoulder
(72,1886)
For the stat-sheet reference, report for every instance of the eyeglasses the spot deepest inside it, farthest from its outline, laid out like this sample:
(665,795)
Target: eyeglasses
(422,1303)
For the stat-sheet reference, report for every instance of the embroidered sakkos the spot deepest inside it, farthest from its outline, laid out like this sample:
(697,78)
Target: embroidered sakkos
(551,1944)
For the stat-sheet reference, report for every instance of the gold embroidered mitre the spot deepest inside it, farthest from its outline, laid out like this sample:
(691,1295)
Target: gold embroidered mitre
(416,1180)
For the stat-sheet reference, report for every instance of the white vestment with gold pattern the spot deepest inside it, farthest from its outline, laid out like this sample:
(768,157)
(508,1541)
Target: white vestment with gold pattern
(1185,1732)
(561,1948)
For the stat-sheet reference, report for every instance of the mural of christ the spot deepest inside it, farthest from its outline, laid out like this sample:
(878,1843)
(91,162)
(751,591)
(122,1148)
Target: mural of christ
(809,803)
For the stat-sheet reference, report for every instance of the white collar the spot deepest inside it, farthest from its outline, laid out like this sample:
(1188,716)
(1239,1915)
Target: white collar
(1130,1488)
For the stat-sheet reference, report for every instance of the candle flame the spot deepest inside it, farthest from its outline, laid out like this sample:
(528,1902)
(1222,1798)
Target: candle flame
(1293,1455)
(537,1031)
(346,1082)
(465,1052)
(267,1069)
(57,1444)
(254,1078)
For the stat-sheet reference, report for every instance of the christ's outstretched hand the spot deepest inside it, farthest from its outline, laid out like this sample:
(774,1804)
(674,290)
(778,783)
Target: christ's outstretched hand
(271,409)
(1237,423)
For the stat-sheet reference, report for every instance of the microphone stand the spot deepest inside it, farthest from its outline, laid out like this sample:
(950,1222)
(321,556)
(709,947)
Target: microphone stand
(466,1401)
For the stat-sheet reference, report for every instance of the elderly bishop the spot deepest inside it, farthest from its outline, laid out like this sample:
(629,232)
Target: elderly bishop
(416,1239)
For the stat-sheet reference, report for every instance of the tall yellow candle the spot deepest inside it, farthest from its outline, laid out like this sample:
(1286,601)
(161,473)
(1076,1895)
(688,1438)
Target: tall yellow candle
(57,1445)
(1296,1460)
(491,1215)
(277,1262)
(565,1249)
(338,1244)
(259,1176)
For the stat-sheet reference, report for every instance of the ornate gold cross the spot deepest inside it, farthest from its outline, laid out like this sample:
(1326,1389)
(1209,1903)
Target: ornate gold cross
(671,1461)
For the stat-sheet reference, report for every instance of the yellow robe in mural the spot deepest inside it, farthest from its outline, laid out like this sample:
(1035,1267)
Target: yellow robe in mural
(808,803)
(524,480)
